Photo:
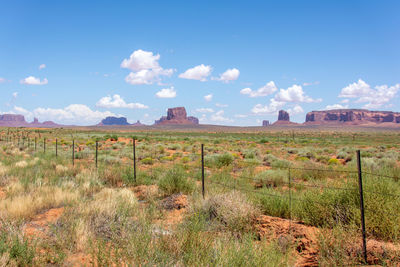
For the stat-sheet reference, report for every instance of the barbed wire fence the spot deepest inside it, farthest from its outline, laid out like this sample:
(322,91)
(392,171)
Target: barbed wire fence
(43,145)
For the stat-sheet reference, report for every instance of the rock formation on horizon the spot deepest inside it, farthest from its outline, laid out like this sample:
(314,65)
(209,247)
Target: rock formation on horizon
(352,116)
(265,123)
(283,118)
(177,116)
(17,120)
(117,121)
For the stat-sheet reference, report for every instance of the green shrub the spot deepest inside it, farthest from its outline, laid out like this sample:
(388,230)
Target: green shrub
(175,181)
(147,161)
(333,161)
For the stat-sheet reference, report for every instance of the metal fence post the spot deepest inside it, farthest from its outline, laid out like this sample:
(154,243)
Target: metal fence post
(360,187)
(73,152)
(290,199)
(97,146)
(56,148)
(44,145)
(35,143)
(202,169)
(134,158)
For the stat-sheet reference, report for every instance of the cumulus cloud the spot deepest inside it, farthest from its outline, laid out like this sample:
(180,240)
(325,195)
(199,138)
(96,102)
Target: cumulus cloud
(31,80)
(267,89)
(271,108)
(219,117)
(166,93)
(76,114)
(144,67)
(116,101)
(336,106)
(294,94)
(42,66)
(205,110)
(229,75)
(373,97)
(208,97)
(296,110)
(200,73)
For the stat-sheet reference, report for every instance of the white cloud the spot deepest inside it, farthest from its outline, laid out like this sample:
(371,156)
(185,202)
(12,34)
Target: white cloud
(273,107)
(42,66)
(166,93)
(336,106)
(204,110)
(344,101)
(2,80)
(221,105)
(145,68)
(75,114)
(208,97)
(267,89)
(34,81)
(116,101)
(219,117)
(200,73)
(296,110)
(15,95)
(294,94)
(229,75)
(373,97)
(147,76)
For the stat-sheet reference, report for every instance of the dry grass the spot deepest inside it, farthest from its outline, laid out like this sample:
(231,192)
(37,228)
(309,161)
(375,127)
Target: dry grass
(232,210)
(25,205)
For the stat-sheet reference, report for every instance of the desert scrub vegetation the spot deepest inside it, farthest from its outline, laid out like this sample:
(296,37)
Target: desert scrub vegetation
(246,178)
(175,180)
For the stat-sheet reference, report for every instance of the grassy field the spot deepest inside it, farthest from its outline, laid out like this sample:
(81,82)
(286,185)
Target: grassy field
(275,197)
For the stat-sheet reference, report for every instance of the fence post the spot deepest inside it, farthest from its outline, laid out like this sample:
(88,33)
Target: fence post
(35,142)
(290,199)
(202,169)
(56,147)
(73,152)
(360,187)
(134,158)
(44,145)
(97,146)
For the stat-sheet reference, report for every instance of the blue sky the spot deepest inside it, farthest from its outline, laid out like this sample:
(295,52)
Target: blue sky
(64,60)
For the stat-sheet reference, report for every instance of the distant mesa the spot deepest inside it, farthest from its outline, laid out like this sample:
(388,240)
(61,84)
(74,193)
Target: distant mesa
(17,120)
(177,116)
(265,123)
(283,118)
(117,121)
(352,116)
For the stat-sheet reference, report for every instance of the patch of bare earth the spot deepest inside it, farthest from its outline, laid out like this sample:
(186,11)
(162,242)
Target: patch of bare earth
(3,194)
(289,234)
(39,226)
(304,239)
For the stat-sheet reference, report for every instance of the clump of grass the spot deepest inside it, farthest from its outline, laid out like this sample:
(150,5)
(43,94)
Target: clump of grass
(219,160)
(231,211)
(105,217)
(147,161)
(27,204)
(175,180)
